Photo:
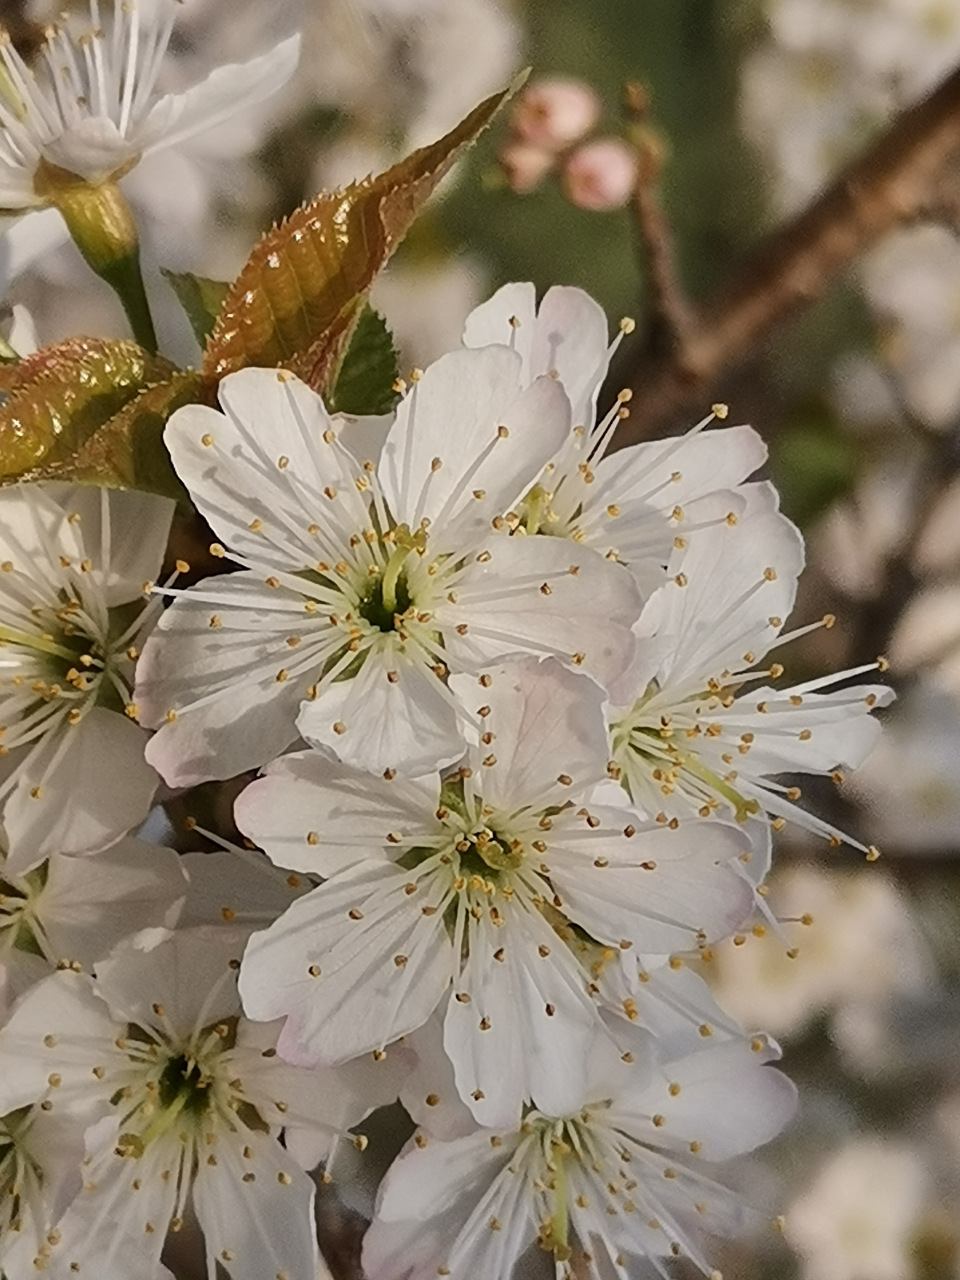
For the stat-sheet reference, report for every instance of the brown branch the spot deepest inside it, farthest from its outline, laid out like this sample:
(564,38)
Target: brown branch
(894,180)
(670,319)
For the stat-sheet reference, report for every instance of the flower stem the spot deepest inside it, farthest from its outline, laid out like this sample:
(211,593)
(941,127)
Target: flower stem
(102,226)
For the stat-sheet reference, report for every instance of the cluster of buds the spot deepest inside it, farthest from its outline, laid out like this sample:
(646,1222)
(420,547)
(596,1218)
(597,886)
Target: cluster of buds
(550,125)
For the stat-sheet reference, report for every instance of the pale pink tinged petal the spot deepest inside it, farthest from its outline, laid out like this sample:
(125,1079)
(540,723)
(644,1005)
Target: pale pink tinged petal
(256,1227)
(235,666)
(189,973)
(572,342)
(317,815)
(90,904)
(224,93)
(109,1230)
(59,1026)
(429,1093)
(491,324)
(257,471)
(523,1032)
(467,428)
(226,887)
(727,1100)
(547,596)
(391,715)
(659,890)
(548,725)
(98,788)
(353,965)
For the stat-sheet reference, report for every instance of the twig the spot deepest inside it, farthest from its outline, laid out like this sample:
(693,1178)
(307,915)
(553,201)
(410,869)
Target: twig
(670,319)
(894,180)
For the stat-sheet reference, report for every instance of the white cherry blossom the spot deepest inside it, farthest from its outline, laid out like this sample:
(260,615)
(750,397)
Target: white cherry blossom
(614,1175)
(75,565)
(372,570)
(474,893)
(188,1102)
(74,910)
(702,732)
(91,108)
(632,505)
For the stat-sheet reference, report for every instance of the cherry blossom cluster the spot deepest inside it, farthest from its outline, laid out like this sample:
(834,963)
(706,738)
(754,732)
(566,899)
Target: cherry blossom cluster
(509,743)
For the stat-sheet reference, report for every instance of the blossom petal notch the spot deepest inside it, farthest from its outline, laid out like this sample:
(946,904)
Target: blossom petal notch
(296,302)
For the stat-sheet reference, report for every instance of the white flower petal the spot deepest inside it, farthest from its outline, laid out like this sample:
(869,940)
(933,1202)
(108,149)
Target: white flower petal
(61,1027)
(348,984)
(547,723)
(582,617)
(83,798)
(468,427)
(225,92)
(262,462)
(188,974)
(248,714)
(88,905)
(391,715)
(662,890)
(524,1029)
(227,887)
(316,815)
(260,1227)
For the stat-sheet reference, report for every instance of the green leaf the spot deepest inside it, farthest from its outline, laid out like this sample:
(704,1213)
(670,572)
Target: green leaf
(298,298)
(128,452)
(200,298)
(59,397)
(365,383)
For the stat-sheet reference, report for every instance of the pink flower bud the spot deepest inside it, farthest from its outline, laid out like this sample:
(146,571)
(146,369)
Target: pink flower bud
(525,166)
(554,113)
(600,175)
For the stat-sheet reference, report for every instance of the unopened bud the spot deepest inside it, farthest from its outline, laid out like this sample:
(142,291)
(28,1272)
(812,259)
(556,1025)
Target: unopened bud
(524,166)
(600,175)
(552,114)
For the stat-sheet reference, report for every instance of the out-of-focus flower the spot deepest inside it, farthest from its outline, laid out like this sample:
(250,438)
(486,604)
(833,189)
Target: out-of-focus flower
(910,785)
(912,279)
(94,111)
(859,1217)
(860,947)
(600,175)
(552,114)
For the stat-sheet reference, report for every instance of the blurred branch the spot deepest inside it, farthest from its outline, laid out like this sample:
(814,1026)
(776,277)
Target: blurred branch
(894,180)
(670,318)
